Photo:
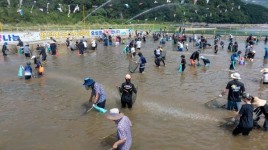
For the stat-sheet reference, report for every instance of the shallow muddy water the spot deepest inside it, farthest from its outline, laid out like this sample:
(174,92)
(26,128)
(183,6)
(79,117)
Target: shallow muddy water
(169,112)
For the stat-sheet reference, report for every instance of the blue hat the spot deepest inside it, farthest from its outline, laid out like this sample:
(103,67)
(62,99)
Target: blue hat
(88,81)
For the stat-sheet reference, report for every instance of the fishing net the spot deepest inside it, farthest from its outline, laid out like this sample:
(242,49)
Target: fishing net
(133,66)
(213,104)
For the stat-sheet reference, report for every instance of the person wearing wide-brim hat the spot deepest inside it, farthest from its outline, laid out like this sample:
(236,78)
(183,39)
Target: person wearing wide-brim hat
(123,129)
(245,116)
(235,89)
(264,75)
(261,108)
(97,92)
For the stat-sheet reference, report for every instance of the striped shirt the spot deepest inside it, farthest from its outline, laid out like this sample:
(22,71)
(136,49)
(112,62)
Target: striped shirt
(124,132)
(99,89)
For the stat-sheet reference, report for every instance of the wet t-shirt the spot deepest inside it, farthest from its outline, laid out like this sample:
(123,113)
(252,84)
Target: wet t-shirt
(236,88)
(246,119)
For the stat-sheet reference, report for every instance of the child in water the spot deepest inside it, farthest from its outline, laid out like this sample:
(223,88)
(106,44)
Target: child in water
(183,64)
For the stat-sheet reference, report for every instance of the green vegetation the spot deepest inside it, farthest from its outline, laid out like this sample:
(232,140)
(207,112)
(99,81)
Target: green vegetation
(118,13)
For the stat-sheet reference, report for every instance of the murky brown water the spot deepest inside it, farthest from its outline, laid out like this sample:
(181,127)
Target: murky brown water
(169,112)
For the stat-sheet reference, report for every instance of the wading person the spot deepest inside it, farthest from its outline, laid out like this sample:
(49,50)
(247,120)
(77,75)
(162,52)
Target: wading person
(245,116)
(123,125)
(42,51)
(205,61)
(194,59)
(81,47)
(261,107)
(4,48)
(142,62)
(20,44)
(183,64)
(127,89)
(97,92)
(28,71)
(234,58)
(27,51)
(53,48)
(235,89)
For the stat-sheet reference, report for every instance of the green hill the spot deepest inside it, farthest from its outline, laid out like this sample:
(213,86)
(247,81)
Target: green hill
(119,11)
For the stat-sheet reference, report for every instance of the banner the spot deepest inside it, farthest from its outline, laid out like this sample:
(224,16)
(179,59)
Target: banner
(12,37)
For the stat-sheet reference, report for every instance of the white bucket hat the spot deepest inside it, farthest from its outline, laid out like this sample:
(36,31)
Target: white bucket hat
(235,76)
(114,114)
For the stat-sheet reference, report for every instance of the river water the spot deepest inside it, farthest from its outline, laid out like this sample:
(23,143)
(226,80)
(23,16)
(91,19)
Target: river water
(169,112)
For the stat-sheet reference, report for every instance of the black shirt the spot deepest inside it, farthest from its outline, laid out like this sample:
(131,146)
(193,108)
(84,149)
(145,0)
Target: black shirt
(127,89)
(236,88)
(246,120)
(195,56)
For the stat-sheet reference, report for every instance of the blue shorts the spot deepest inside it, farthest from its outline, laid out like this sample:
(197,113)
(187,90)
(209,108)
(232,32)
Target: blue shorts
(233,105)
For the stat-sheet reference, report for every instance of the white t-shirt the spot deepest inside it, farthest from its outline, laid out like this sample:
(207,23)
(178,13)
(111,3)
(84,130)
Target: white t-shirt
(132,50)
(138,44)
(265,78)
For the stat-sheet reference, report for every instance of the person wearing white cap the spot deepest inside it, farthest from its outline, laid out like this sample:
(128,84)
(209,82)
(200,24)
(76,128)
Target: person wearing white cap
(127,89)
(264,78)
(123,129)
(235,90)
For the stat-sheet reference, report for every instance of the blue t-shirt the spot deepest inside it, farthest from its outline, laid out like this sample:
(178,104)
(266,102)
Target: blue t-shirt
(246,120)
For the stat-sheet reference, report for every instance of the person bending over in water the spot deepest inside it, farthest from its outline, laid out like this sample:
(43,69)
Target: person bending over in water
(97,92)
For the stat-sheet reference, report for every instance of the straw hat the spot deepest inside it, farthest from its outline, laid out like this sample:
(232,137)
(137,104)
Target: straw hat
(258,102)
(114,114)
(264,70)
(235,76)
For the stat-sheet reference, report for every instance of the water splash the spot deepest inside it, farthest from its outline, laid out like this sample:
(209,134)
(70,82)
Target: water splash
(176,112)
(102,5)
(155,8)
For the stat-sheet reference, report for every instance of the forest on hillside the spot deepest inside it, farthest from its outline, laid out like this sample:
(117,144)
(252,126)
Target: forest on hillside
(120,11)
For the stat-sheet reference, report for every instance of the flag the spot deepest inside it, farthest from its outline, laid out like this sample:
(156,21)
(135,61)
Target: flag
(207,1)
(8,2)
(182,1)
(195,11)
(155,2)
(41,9)
(168,1)
(21,3)
(238,7)
(195,2)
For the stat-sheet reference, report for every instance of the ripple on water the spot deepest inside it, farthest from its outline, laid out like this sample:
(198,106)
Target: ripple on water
(163,111)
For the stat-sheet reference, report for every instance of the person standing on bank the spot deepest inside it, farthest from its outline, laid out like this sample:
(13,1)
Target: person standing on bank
(127,89)
(123,125)
(235,89)
(97,92)
(245,116)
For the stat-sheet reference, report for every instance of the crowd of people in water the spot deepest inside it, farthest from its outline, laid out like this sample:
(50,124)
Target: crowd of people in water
(249,108)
